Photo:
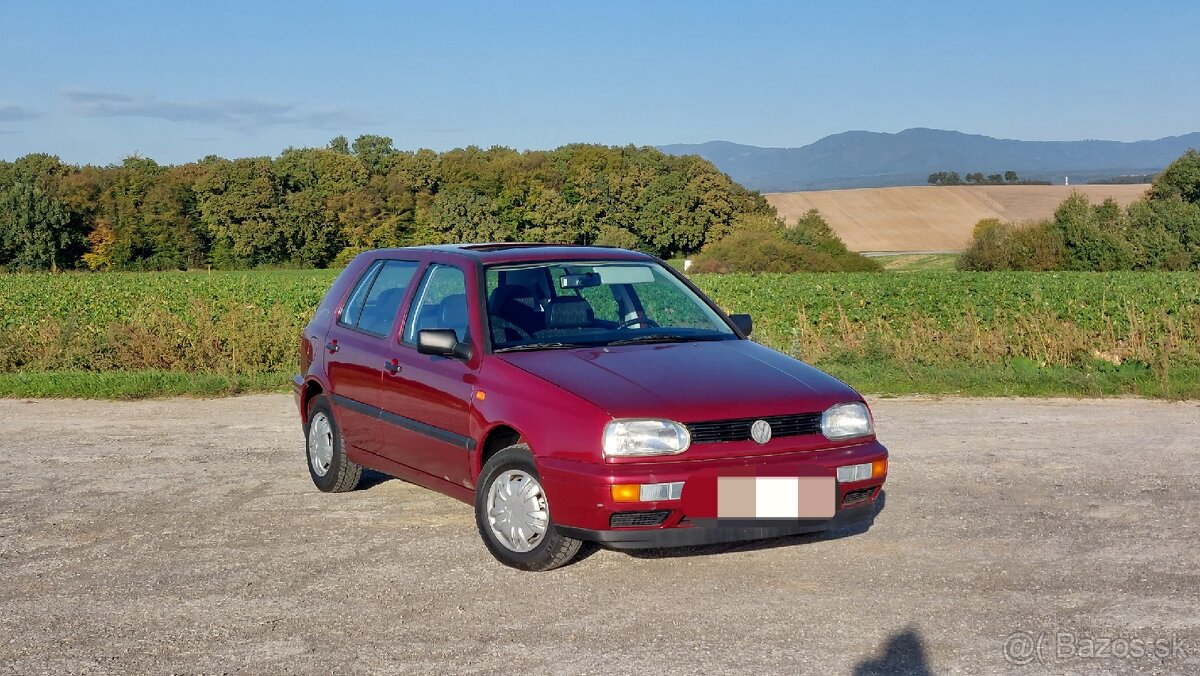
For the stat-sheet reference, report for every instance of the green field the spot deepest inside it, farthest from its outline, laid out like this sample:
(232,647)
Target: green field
(1084,334)
(937,262)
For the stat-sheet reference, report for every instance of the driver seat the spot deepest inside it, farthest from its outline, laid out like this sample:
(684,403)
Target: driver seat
(514,304)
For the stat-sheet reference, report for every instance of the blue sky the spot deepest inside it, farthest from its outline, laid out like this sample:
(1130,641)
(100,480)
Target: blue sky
(175,81)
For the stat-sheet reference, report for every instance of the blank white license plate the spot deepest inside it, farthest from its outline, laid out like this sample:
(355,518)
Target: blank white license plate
(762,497)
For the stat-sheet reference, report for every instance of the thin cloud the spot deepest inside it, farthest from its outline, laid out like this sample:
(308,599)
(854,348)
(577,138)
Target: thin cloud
(14,113)
(336,118)
(237,113)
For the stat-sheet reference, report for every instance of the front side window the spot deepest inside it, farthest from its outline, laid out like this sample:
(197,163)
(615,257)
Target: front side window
(440,303)
(376,298)
(572,304)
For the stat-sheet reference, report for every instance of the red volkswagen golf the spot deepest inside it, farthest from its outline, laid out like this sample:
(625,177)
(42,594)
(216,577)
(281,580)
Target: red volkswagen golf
(572,394)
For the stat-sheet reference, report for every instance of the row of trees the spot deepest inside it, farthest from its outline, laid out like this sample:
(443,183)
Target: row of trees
(315,207)
(1125,179)
(1158,232)
(761,243)
(977,178)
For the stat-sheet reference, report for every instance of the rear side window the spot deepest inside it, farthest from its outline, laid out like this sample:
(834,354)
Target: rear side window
(375,300)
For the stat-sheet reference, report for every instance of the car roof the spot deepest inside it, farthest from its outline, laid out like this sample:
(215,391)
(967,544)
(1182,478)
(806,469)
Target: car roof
(526,252)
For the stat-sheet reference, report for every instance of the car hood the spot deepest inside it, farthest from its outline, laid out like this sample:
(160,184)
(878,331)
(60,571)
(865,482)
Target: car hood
(687,382)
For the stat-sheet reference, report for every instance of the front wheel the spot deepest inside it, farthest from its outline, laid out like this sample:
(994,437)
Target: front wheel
(513,515)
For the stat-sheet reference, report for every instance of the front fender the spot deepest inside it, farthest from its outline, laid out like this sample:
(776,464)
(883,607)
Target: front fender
(554,422)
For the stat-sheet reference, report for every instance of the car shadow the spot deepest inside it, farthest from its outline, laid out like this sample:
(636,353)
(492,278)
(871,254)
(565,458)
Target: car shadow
(370,479)
(903,654)
(755,545)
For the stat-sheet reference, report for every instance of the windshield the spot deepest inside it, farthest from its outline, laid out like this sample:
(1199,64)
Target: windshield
(584,304)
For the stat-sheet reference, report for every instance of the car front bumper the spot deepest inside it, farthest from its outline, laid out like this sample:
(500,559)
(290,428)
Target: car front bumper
(692,534)
(580,495)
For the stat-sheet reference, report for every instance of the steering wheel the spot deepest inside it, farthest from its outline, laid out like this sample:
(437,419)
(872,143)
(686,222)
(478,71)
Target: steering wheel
(504,323)
(644,321)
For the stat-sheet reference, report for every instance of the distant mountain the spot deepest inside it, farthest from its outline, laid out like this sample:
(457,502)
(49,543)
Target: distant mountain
(864,159)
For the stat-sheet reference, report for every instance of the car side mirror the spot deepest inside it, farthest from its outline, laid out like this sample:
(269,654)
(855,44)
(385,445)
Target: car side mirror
(743,323)
(442,343)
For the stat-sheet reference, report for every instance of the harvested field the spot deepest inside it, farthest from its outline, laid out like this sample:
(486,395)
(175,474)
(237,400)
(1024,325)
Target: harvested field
(933,218)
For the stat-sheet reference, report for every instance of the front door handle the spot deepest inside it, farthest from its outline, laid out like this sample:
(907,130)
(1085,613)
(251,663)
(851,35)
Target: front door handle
(392,366)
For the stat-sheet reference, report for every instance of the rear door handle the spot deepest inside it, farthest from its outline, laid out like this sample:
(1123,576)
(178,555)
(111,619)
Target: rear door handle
(392,366)
(332,346)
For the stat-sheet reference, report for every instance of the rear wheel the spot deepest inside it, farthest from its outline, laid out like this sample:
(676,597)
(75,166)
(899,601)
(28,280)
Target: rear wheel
(513,514)
(330,469)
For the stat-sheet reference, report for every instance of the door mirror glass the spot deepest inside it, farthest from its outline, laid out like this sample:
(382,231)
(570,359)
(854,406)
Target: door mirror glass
(442,343)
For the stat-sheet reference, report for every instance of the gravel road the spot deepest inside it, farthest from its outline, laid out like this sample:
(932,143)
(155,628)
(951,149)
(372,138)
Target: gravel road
(184,536)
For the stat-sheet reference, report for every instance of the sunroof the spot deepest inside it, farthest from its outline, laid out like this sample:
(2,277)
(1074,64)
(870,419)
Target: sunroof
(500,246)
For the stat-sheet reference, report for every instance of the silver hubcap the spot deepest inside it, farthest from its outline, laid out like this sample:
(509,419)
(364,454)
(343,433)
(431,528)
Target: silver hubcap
(517,511)
(320,444)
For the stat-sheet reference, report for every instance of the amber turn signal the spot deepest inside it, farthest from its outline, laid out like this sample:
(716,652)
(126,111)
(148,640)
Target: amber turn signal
(626,492)
(878,468)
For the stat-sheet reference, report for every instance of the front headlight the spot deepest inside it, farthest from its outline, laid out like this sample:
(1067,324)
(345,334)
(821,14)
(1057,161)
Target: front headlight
(847,421)
(633,437)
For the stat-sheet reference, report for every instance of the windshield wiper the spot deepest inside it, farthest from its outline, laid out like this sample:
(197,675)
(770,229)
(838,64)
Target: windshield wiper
(669,338)
(555,345)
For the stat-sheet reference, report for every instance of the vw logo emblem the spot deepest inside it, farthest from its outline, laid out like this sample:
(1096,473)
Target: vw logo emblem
(760,431)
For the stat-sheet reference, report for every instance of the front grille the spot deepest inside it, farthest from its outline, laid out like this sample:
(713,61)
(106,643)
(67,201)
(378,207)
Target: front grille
(855,497)
(624,519)
(738,429)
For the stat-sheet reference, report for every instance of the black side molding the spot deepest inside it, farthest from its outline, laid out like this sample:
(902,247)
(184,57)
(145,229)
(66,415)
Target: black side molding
(444,436)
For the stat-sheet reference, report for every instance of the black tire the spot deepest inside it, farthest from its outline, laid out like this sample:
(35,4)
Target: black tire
(341,474)
(552,550)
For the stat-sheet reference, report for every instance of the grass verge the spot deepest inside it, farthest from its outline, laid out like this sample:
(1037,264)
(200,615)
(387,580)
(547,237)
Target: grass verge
(135,384)
(894,378)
